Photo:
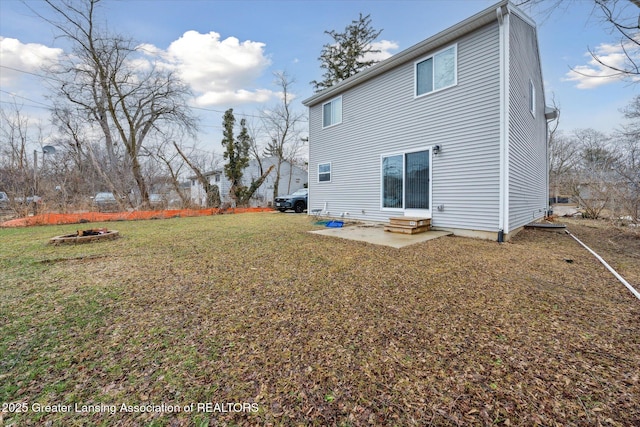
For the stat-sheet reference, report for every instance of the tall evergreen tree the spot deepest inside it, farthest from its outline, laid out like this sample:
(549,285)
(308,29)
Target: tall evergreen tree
(237,155)
(345,56)
(236,152)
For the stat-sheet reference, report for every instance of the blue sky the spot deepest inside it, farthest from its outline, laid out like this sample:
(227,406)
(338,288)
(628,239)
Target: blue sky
(228,50)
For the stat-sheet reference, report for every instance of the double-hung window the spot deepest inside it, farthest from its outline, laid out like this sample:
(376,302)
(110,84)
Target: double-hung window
(332,112)
(324,172)
(436,72)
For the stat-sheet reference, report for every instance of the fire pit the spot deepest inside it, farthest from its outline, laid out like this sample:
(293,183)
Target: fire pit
(85,236)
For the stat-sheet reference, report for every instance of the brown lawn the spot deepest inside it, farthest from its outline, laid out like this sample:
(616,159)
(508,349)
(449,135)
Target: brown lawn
(272,325)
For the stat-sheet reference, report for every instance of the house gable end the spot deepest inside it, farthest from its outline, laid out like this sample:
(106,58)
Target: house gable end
(527,129)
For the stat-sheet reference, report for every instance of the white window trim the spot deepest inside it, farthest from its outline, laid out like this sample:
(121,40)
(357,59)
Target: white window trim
(403,154)
(532,98)
(341,111)
(330,172)
(455,71)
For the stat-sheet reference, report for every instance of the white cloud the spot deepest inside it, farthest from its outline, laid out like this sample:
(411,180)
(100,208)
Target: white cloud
(28,57)
(240,96)
(594,74)
(220,72)
(384,46)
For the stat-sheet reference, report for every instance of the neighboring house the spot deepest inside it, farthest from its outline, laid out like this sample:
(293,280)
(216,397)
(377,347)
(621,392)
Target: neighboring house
(292,178)
(606,190)
(453,129)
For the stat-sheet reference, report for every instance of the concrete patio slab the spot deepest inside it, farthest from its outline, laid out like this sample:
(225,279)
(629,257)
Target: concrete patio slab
(374,233)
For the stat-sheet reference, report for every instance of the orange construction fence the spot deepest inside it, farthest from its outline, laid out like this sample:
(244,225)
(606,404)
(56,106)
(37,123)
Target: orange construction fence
(73,218)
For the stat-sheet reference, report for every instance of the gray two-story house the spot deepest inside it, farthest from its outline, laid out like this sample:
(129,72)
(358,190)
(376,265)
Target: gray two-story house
(453,129)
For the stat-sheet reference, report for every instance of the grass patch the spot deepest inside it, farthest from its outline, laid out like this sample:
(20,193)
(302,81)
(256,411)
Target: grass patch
(251,309)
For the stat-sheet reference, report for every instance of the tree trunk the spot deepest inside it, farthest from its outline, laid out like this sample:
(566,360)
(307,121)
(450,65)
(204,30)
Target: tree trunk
(276,182)
(212,191)
(245,196)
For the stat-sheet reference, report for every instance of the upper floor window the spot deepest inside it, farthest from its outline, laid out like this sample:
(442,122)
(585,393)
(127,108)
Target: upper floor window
(436,72)
(532,98)
(332,112)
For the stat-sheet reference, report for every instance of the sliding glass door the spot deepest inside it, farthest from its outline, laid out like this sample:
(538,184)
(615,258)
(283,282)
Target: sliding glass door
(406,182)
(416,189)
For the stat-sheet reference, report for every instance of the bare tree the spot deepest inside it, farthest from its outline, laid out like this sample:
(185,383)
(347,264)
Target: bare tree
(281,124)
(101,83)
(628,163)
(562,157)
(256,150)
(13,138)
(594,175)
(563,152)
(25,174)
(17,167)
(622,18)
(212,191)
(97,167)
(171,163)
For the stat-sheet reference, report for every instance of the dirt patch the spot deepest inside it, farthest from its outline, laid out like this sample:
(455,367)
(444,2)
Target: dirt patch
(77,259)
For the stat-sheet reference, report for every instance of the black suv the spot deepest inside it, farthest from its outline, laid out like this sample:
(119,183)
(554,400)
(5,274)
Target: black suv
(296,201)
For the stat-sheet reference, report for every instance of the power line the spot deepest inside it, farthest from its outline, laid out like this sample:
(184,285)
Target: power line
(26,99)
(26,105)
(32,74)
(61,81)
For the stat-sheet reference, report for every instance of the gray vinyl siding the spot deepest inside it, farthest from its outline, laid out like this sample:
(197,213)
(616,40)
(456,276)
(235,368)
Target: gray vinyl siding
(381,116)
(527,134)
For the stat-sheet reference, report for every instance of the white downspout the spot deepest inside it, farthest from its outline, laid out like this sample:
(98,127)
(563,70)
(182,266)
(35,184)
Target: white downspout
(503,214)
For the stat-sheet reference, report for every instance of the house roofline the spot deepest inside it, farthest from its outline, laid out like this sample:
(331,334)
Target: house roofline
(221,170)
(206,174)
(444,37)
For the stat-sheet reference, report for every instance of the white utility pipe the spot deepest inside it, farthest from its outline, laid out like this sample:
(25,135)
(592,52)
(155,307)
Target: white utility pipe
(615,273)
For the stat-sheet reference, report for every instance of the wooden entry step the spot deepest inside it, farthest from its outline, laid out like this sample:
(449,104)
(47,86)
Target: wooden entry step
(408,225)
(406,230)
(409,221)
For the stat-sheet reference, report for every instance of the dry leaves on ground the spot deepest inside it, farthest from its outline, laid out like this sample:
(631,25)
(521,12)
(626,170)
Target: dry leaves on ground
(317,330)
